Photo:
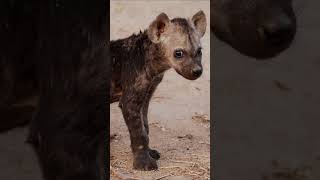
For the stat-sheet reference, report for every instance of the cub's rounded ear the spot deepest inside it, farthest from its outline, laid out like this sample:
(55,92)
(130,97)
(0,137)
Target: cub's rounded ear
(200,22)
(158,27)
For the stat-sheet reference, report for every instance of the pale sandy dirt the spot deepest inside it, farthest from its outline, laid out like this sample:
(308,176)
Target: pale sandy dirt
(179,112)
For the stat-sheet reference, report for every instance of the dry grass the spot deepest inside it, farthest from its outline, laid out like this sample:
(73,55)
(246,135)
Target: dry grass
(191,166)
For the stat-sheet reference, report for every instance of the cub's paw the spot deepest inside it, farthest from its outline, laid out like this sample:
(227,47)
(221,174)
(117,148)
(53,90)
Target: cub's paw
(143,161)
(154,154)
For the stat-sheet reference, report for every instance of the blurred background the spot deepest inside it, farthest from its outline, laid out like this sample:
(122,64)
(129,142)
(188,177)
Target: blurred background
(267,113)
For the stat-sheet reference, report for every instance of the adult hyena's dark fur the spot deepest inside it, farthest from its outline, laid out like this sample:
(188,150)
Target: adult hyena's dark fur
(53,65)
(257,28)
(138,66)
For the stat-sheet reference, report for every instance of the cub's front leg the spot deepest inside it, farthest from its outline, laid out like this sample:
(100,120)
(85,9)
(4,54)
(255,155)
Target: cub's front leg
(152,87)
(132,103)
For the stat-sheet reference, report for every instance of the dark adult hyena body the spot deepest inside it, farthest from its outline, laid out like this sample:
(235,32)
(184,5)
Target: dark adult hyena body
(138,65)
(53,61)
(256,28)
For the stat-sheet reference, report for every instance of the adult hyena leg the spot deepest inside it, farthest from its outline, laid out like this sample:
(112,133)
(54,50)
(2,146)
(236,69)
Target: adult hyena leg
(68,156)
(153,153)
(68,139)
(12,117)
(131,104)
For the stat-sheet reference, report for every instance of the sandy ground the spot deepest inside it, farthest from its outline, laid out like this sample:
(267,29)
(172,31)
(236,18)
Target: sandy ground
(179,112)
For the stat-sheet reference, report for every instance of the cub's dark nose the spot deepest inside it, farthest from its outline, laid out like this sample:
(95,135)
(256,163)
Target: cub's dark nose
(277,32)
(196,72)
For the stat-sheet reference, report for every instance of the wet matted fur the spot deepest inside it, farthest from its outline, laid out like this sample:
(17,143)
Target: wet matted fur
(138,65)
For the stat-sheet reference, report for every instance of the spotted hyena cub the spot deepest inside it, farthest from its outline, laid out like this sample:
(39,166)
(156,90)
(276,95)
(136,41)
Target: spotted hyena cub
(138,65)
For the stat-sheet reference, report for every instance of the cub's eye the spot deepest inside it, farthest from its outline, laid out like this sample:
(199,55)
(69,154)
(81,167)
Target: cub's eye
(199,52)
(178,54)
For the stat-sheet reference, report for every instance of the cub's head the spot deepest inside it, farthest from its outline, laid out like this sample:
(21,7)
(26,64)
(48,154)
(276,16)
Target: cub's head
(179,40)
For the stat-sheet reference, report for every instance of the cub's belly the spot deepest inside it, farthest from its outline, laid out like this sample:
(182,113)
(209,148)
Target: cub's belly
(115,92)
(115,97)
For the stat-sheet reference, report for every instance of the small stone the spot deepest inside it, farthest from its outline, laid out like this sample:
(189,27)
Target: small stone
(189,136)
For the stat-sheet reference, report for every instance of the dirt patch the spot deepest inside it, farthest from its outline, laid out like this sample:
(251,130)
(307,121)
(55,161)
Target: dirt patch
(179,113)
(183,156)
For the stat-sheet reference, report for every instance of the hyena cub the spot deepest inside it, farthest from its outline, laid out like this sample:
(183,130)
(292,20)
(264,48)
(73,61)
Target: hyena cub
(138,66)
